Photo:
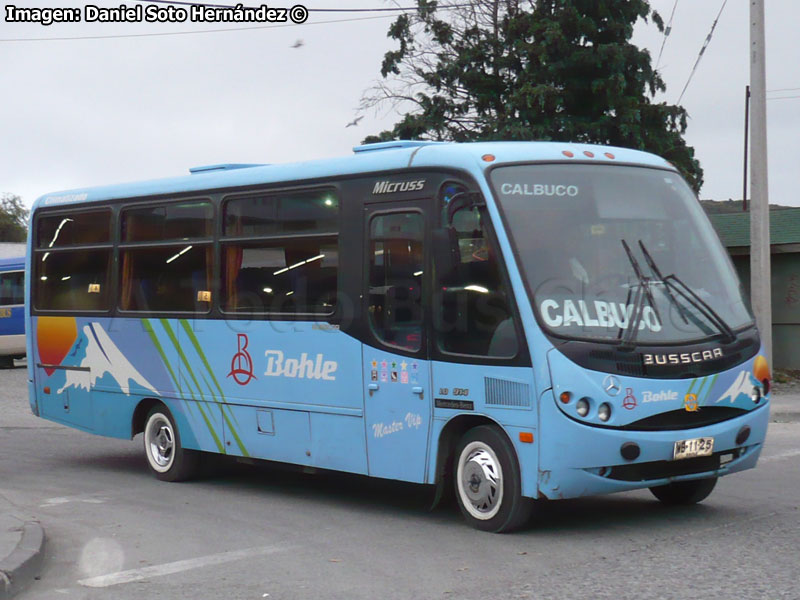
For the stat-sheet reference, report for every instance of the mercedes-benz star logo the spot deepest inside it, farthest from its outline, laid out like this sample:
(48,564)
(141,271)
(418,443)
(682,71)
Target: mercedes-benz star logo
(611,385)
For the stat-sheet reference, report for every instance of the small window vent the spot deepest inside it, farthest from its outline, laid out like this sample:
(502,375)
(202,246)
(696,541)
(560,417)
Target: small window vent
(501,392)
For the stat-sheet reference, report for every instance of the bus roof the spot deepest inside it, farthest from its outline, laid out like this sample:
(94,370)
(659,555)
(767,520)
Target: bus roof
(9,264)
(385,156)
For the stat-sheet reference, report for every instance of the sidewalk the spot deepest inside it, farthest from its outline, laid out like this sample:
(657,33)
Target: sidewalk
(21,545)
(785,407)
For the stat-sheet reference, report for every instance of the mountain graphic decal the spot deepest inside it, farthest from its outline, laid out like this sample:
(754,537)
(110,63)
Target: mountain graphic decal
(103,356)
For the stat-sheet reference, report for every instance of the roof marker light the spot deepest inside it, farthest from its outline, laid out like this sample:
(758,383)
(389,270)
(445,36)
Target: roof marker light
(609,155)
(568,154)
(488,158)
(589,154)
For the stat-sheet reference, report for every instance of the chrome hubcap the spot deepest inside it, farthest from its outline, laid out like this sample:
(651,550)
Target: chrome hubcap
(481,481)
(160,441)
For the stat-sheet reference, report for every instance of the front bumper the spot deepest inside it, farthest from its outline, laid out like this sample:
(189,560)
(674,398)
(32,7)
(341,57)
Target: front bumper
(580,460)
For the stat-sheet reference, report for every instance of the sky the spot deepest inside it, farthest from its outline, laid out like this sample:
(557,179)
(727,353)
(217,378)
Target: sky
(79,113)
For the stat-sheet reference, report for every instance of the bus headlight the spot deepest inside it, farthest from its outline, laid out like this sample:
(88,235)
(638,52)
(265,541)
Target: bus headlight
(755,395)
(604,412)
(582,407)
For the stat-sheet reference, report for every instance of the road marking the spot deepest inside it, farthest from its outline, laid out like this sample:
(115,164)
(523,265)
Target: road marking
(177,566)
(782,455)
(66,499)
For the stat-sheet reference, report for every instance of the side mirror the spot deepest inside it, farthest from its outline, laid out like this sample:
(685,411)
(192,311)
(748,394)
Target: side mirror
(461,201)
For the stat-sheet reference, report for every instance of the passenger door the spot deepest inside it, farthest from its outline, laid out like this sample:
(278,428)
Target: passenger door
(396,372)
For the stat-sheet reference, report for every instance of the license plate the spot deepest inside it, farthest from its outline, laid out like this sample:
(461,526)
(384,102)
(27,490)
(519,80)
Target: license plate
(693,447)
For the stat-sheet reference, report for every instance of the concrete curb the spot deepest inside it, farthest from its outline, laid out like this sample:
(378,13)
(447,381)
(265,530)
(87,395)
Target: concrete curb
(19,568)
(783,416)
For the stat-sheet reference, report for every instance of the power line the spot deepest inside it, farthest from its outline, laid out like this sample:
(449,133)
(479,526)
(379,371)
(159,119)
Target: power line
(168,33)
(784,90)
(227,30)
(784,98)
(667,31)
(702,50)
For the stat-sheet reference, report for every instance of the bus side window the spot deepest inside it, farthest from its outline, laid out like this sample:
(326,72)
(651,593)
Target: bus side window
(164,278)
(71,270)
(174,276)
(288,276)
(472,313)
(280,253)
(395,279)
(12,288)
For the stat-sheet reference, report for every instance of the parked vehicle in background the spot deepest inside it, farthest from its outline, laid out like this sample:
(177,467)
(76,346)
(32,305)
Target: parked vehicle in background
(12,310)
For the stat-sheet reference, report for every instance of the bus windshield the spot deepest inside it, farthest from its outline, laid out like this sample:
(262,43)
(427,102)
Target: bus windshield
(619,254)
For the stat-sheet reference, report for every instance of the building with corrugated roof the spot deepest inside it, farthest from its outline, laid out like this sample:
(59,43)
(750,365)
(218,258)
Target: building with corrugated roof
(734,231)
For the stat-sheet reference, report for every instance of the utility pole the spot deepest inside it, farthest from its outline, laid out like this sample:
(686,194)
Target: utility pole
(760,270)
(746,131)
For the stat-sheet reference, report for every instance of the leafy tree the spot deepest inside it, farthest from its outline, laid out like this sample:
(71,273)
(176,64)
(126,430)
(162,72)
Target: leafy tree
(530,70)
(13,219)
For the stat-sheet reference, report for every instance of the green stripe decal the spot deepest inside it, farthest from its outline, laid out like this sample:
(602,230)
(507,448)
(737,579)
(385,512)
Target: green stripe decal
(149,328)
(238,440)
(174,340)
(209,424)
(195,342)
(202,356)
(239,443)
(186,363)
(224,405)
(710,387)
(702,385)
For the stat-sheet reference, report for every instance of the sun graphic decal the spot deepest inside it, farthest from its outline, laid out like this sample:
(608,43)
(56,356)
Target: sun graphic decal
(54,338)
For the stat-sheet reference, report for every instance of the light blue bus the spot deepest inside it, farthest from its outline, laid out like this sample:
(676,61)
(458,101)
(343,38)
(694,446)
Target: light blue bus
(505,321)
(12,310)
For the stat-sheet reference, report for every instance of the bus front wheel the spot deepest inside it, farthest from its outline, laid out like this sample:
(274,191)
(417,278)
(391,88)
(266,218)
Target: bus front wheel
(684,492)
(168,460)
(487,481)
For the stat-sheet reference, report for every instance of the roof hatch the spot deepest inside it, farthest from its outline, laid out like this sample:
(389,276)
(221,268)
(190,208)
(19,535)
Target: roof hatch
(223,167)
(393,145)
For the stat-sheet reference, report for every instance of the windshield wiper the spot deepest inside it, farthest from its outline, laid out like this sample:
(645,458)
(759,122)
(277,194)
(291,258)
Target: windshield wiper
(628,342)
(672,283)
(659,277)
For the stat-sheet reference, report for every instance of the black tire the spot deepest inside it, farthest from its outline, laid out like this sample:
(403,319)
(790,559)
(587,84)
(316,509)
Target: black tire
(487,481)
(166,457)
(682,493)
(6,362)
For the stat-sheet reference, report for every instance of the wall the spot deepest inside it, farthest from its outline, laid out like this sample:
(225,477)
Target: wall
(785,305)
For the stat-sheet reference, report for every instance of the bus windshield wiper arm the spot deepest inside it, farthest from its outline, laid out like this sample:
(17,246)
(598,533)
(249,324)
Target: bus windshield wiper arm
(674,283)
(628,342)
(659,277)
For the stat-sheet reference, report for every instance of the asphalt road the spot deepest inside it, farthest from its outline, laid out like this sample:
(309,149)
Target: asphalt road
(113,531)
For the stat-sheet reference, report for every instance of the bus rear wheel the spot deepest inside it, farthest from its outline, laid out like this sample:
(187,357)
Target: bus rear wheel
(487,481)
(168,460)
(684,493)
